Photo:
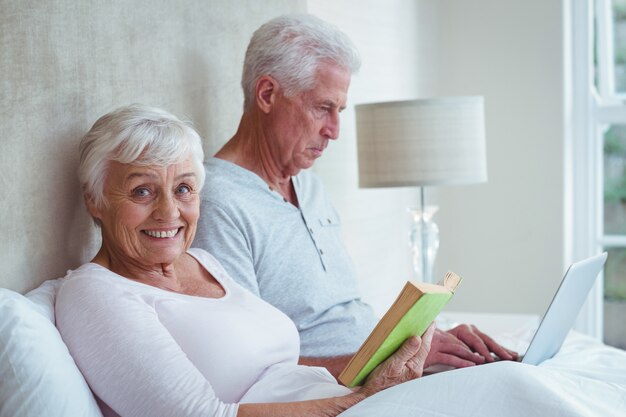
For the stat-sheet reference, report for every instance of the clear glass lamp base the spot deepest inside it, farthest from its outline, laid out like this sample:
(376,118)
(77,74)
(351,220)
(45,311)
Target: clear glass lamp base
(424,242)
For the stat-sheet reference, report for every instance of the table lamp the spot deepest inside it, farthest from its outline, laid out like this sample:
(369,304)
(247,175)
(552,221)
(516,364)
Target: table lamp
(426,142)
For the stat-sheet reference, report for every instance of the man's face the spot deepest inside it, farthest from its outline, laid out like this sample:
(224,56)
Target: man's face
(302,125)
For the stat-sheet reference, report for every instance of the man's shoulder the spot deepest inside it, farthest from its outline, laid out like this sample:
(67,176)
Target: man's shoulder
(219,171)
(225,181)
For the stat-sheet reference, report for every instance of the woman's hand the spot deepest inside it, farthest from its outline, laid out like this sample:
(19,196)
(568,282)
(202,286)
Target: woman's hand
(404,365)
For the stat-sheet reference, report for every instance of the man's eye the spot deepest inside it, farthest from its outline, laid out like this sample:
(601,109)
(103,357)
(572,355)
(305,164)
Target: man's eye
(321,111)
(183,189)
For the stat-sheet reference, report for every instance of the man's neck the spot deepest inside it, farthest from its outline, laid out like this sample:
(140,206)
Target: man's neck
(250,149)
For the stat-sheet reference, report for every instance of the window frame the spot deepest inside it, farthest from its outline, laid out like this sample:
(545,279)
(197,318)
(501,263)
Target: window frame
(583,180)
(593,109)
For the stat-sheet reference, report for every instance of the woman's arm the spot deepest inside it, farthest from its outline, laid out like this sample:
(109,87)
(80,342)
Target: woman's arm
(128,357)
(404,365)
(135,366)
(326,407)
(334,364)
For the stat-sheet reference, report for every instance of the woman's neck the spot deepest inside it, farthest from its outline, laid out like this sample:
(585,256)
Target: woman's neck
(161,275)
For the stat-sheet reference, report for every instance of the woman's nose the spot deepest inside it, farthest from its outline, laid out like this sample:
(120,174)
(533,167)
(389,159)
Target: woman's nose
(166,208)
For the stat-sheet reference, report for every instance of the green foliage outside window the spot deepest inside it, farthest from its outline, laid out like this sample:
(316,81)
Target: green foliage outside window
(615,195)
(614,271)
(619,10)
(615,147)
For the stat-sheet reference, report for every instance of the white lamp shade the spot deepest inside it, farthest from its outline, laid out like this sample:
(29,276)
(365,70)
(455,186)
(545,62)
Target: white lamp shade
(424,142)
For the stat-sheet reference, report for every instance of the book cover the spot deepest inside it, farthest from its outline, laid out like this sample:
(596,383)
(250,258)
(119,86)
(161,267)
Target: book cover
(417,305)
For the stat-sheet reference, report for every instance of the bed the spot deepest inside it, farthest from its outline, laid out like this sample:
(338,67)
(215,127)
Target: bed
(586,378)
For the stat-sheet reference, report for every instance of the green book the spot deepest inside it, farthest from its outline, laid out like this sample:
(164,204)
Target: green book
(417,305)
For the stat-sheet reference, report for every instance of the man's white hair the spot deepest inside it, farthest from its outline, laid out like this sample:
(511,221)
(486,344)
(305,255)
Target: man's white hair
(290,48)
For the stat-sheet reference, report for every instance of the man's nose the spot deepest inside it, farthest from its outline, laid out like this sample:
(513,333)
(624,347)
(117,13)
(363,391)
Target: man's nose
(331,128)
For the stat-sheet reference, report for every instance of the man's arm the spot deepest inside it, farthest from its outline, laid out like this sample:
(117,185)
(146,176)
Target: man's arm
(460,347)
(334,364)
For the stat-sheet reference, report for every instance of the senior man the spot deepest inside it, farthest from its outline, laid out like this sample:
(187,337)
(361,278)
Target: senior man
(268,219)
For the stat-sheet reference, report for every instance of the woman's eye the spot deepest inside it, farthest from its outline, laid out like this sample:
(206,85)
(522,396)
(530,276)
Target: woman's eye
(183,189)
(141,192)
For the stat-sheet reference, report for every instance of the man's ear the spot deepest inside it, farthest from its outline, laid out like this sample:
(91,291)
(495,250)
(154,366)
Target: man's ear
(266,90)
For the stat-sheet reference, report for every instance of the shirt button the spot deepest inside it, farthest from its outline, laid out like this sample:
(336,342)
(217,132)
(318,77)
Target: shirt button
(328,220)
(311,230)
(321,252)
(285,200)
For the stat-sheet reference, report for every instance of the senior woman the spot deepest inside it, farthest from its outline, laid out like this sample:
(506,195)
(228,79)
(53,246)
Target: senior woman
(159,329)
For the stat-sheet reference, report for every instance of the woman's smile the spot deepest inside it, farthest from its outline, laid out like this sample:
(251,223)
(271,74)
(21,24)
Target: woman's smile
(162,234)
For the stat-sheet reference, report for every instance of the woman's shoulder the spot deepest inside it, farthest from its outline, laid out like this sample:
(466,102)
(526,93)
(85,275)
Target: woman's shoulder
(85,274)
(210,263)
(215,268)
(90,283)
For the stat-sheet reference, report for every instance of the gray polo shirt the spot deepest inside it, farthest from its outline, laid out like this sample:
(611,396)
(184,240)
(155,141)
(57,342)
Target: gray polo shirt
(292,257)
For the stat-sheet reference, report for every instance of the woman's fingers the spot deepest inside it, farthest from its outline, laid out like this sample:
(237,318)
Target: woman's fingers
(405,364)
(418,360)
(407,351)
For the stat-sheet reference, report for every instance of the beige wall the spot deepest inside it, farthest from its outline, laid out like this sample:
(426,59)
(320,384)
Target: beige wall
(65,63)
(506,237)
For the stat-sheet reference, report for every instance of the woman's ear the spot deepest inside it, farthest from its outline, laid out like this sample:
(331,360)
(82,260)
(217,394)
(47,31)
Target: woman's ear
(92,207)
(266,89)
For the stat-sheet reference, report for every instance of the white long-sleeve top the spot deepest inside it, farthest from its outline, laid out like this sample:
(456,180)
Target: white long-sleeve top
(149,352)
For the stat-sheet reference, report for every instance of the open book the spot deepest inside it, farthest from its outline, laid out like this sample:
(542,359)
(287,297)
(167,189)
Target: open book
(415,308)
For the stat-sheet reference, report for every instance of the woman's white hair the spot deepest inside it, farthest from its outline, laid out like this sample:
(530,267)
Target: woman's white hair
(290,48)
(138,135)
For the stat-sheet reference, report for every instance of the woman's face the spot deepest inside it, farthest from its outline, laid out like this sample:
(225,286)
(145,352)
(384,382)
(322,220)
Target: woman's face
(151,212)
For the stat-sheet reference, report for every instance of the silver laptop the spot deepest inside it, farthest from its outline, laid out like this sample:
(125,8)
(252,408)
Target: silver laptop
(563,310)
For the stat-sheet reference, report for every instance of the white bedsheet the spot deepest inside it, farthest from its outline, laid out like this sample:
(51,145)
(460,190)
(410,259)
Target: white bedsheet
(586,378)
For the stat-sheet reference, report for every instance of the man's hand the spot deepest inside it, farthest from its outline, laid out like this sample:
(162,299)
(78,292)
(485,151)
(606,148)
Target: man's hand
(459,347)
(465,346)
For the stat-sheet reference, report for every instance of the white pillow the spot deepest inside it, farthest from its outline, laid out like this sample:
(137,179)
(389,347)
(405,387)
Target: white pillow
(38,375)
(44,296)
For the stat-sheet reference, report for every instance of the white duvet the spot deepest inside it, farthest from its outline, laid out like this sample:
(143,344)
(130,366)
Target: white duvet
(586,378)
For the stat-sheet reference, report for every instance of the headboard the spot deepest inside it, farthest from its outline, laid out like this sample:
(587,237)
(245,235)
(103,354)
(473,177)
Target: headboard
(65,63)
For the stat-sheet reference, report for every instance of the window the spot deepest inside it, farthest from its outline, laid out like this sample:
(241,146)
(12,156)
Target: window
(598,150)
